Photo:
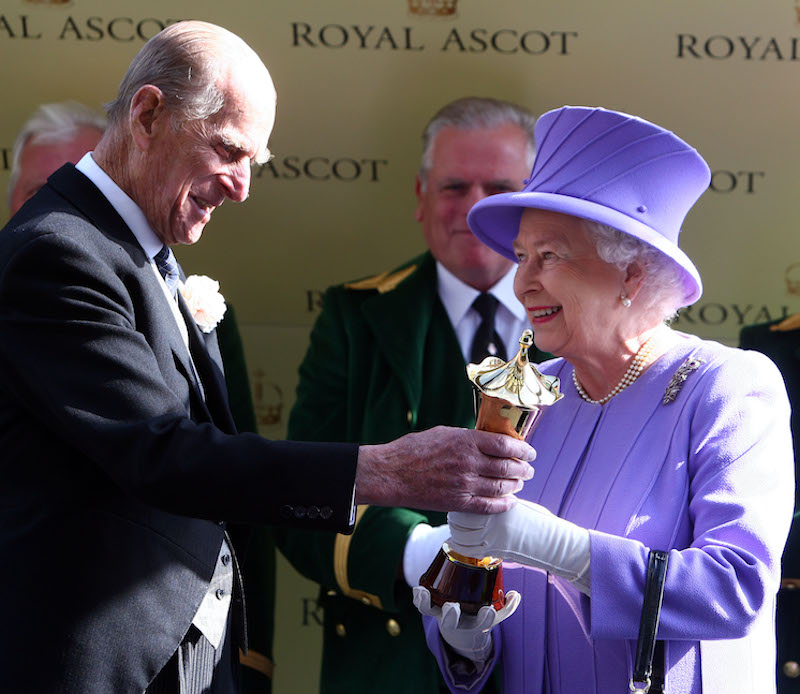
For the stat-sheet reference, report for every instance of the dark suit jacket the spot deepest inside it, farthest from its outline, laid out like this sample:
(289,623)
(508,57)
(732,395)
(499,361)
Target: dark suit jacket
(116,473)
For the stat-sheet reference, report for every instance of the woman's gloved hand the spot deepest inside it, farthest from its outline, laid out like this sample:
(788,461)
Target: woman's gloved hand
(527,534)
(470,637)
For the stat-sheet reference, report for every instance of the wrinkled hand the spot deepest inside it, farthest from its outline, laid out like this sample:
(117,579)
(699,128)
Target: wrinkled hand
(527,534)
(470,637)
(445,469)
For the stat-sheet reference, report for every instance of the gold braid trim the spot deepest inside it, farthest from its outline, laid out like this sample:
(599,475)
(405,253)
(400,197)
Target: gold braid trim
(341,550)
(257,661)
(384,282)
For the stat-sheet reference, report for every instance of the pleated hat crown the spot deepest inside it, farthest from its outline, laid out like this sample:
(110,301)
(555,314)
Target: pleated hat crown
(609,167)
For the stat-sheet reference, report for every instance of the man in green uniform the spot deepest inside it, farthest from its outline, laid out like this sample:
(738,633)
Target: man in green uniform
(400,342)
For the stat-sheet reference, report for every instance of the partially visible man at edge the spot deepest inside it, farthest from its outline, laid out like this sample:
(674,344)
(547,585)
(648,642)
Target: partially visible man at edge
(405,336)
(59,133)
(120,457)
(53,135)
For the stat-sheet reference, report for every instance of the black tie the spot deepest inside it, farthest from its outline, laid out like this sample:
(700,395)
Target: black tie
(168,267)
(486,341)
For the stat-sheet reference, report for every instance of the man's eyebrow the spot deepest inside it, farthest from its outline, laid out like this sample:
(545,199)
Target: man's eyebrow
(497,183)
(262,156)
(230,140)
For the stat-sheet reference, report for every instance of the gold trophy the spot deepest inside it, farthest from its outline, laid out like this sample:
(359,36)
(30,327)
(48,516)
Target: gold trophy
(510,397)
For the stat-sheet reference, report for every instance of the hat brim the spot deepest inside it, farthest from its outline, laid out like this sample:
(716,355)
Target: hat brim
(495,221)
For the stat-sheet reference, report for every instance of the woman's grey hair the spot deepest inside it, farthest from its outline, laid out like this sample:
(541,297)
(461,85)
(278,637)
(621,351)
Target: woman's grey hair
(183,61)
(662,289)
(470,113)
(48,124)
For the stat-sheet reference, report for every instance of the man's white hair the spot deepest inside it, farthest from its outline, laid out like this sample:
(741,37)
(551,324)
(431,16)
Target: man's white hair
(48,124)
(472,113)
(184,61)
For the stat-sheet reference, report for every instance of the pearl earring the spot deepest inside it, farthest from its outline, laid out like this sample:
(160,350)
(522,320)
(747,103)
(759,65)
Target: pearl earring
(626,302)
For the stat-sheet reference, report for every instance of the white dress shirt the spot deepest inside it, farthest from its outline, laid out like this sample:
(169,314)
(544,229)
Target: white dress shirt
(510,320)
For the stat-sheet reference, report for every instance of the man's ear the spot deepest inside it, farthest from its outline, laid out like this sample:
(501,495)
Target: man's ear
(418,191)
(148,115)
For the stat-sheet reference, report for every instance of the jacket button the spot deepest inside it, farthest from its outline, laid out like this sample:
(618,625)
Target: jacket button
(286,512)
(791,668)
(393,628)
(299,511)
(341,632)
(325,512)
(313,512)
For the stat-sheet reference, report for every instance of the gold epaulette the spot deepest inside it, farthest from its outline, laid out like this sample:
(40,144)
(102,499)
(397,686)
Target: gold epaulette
(787,324)
(384,282)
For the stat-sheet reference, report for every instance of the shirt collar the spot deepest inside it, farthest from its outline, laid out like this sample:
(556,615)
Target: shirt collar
(457,296)
(130,212)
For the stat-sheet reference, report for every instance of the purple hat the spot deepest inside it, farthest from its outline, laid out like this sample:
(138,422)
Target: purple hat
(611,168)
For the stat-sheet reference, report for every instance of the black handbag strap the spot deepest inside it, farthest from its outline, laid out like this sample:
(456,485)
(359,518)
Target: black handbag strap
(643,673)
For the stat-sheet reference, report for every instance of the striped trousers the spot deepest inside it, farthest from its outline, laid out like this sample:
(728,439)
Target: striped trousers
(198,668)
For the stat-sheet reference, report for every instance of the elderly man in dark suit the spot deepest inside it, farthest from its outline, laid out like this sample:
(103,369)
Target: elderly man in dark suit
(120,459)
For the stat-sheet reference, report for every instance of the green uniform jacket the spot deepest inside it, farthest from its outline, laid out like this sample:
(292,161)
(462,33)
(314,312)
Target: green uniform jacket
(383,361)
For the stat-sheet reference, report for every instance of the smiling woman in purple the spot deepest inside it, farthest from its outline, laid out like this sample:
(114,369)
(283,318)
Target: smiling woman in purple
(663,441)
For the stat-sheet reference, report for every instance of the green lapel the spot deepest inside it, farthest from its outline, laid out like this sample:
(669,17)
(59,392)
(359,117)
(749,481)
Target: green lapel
(399,320)
(411,329)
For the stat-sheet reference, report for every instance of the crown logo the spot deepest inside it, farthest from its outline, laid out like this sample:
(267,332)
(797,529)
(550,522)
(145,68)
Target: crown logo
(267,400)
(792,278)
(435,8)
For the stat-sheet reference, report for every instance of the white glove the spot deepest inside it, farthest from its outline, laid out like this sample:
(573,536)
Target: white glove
(527,534)
(470,637)
(422,546)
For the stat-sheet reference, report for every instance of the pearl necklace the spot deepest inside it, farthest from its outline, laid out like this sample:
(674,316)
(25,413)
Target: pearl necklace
(634,371)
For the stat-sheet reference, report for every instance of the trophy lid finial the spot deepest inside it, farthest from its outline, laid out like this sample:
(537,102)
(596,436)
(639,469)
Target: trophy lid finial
(517,381)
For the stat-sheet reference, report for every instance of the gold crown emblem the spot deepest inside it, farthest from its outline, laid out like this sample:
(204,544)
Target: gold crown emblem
(433,8)
(267,400)
(792,278)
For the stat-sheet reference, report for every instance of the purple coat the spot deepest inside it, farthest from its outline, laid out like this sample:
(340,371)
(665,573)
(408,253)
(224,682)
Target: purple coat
(708,476)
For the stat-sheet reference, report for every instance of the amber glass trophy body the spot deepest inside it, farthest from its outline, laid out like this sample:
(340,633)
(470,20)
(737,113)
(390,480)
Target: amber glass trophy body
(511,397)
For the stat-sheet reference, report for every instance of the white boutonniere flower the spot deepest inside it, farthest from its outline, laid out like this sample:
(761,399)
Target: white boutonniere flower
(202,296)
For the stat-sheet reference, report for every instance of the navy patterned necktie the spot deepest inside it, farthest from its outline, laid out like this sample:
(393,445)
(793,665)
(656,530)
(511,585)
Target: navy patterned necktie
(168,267)
(486,340)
